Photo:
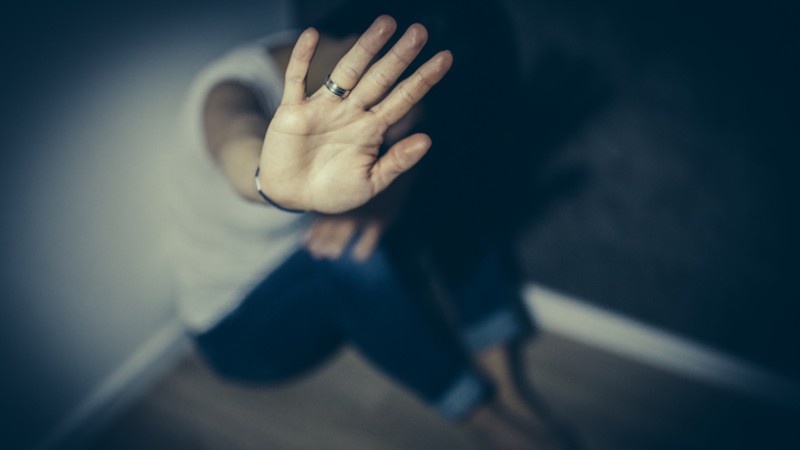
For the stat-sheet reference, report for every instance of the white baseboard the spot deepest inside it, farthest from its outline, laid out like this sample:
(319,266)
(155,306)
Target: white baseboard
(124,385)
(565,315)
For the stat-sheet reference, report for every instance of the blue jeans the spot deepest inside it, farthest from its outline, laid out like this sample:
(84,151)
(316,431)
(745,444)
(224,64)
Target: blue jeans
(306,309)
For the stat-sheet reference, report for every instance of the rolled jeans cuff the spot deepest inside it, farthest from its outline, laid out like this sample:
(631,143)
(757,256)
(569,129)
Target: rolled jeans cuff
(467,392)
(502,326)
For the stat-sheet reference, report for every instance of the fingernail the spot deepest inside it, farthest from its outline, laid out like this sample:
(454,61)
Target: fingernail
(387,20)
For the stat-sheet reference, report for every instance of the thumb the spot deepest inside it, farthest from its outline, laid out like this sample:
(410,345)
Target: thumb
(400,157)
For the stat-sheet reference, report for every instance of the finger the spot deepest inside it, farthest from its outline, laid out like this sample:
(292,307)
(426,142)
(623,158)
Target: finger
(368,241)
(294,90)
(400,157)
(384,73)
(324,248)
(411,90)
(339,239)
(352,65)
(314,239)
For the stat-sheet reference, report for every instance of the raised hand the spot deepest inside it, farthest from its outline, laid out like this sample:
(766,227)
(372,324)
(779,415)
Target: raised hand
(320,153)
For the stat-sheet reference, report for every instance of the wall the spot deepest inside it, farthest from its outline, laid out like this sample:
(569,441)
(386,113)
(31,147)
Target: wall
(662,165)
(91,95)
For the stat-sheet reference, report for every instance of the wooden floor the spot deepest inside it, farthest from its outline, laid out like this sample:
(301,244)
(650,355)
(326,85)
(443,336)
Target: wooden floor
(610,402)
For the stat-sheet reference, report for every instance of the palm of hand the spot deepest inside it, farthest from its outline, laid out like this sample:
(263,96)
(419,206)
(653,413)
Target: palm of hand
(321,152)
(325,151)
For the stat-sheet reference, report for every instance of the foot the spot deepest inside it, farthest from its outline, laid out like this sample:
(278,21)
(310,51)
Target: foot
(519,409)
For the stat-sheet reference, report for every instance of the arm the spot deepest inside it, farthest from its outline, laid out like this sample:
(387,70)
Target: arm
(234,126)
(320,152)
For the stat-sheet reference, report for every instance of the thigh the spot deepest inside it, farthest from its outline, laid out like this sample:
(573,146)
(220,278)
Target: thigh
(382,316)
(281,329)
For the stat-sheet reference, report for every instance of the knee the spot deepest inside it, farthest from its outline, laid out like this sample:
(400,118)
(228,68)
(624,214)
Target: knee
(266,368)
(233,368)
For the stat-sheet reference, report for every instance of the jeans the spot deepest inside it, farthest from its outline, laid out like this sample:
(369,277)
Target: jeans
(306,309)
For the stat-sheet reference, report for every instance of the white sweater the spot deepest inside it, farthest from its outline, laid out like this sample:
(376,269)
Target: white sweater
(220,244)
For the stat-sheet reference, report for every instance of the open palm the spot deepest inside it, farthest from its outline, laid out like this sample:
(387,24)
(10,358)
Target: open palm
(320,152)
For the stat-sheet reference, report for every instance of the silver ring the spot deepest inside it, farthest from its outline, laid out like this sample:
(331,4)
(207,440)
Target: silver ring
(335,88)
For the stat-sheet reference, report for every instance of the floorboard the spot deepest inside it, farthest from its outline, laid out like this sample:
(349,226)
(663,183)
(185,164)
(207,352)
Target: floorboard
(611,403)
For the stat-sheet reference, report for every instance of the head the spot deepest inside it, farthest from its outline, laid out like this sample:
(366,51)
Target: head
(477,33)
(470,113)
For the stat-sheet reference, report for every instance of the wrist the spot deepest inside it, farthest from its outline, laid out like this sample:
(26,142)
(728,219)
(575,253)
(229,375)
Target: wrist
(283,205)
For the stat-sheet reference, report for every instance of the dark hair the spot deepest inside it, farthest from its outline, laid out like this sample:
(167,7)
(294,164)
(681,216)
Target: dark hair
(469,115)
(477,32)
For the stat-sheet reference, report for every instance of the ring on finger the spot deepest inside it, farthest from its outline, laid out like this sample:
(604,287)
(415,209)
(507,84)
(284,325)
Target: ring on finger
(335,88)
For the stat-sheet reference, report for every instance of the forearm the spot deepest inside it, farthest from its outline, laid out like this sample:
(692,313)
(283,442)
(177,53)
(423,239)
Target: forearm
(235,127)
(238,159)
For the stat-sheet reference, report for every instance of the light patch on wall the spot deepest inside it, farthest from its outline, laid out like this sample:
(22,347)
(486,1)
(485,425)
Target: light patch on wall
(86,263)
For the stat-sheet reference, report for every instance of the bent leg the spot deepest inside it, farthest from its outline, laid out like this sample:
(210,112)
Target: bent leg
(487,304)
(281,329)
(494,321)
(386,324)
